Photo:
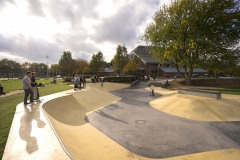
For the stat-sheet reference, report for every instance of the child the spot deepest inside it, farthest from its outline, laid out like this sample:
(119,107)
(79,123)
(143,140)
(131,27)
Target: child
(102,81)
(152,90)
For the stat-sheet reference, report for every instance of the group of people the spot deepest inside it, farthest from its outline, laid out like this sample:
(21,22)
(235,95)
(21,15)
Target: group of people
(30,87)
(79,82)
(147,78)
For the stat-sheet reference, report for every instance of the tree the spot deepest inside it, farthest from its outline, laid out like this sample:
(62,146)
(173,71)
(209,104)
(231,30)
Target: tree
(133,65)
(34,67)
(66,63)
(190,32)
(120,59)
(97,62)
(54,69)
(9,68)
(81,66)
(40,68)
(226,63)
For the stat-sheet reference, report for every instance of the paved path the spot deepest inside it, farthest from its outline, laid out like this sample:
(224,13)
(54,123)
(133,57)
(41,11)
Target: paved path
(150,133)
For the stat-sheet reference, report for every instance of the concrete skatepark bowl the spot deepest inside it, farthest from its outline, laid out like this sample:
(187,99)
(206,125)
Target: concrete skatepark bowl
(121,123)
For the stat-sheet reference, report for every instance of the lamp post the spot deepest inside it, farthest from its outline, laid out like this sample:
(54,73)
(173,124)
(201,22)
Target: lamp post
(12,70)
(47,65)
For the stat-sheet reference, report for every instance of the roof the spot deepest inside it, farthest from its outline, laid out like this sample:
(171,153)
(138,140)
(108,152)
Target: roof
(107,69)
(143,52)
(174,70)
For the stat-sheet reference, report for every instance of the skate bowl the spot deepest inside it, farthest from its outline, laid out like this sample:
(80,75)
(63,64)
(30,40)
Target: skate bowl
(93,124)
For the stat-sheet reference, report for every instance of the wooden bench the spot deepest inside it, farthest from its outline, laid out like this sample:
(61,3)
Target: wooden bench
(203,93)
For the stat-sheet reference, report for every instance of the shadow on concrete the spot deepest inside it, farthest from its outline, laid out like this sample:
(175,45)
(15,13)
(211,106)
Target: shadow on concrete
(30,113)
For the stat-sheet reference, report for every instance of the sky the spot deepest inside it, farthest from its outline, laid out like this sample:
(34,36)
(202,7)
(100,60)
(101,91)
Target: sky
(41,30)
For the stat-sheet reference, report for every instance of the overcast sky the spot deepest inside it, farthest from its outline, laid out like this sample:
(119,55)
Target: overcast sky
(31,30)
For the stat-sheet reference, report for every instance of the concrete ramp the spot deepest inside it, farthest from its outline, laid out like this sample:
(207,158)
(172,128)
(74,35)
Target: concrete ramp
(149,133)
(120,124)
(67,114)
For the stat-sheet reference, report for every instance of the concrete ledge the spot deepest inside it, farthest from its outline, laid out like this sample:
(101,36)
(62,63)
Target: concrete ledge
(203,93)
(134,83)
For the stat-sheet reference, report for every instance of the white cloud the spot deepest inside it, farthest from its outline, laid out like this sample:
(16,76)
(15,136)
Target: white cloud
(34,29)
(107,8)
(166,2)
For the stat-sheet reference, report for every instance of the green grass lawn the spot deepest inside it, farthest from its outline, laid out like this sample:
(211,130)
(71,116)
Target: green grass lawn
(8,105)
(16,84)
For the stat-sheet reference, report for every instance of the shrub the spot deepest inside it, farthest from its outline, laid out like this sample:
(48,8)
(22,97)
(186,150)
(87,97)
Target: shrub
(67,79)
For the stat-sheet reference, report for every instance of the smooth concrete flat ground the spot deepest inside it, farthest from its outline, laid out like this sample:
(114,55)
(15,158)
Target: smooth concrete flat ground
(117,122)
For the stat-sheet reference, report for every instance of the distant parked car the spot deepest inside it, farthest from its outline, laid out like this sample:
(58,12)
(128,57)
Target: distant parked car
(195,75)
(178,76)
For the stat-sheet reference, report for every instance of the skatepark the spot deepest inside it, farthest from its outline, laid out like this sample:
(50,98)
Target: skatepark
(118,121)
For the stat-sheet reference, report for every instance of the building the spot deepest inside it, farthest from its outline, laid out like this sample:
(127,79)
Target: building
(151,65)
(168,71)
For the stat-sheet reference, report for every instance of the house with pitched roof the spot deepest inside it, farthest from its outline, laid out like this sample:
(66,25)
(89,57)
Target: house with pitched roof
(151,65)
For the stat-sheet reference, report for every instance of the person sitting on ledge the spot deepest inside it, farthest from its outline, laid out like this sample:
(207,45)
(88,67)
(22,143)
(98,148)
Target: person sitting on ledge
(1,90)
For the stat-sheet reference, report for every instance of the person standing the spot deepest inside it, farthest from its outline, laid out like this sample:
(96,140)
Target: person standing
(34,86)
(152,90)
(81,82)
(154,76)
(26,85)
(102,81)
(76,82)
(84,81)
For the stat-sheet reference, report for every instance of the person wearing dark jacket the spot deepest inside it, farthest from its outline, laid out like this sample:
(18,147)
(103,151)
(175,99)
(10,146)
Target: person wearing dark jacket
(34,86)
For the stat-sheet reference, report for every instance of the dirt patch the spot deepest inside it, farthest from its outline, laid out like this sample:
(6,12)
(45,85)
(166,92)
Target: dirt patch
(11,93)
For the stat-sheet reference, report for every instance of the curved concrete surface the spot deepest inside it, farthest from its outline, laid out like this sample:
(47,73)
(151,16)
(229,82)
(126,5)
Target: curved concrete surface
(139,130)
(198,108)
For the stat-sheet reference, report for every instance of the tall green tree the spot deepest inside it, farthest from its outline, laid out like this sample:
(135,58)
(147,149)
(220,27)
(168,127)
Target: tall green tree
(66,63)
(40,68)
(81,66)
(97,62)
(54,69)
(225,63)
(9,68)
(189,32)
(120,59)
(9,65)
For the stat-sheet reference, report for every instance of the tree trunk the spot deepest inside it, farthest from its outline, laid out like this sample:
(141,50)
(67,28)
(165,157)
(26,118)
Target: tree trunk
(188,80)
